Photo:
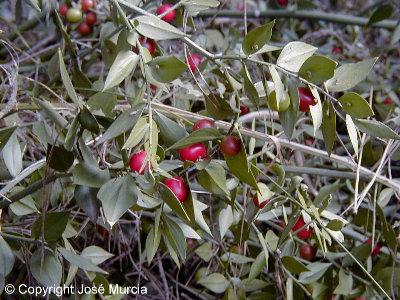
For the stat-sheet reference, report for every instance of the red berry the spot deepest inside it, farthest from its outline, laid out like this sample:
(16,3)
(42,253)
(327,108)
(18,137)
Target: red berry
(63,9)
(153,87)
(282,2)
(203,124)
(149,44)
(84,29)
(304,233)
(190,242)
(376,249)
(359,298)
(193,152)
(194,61)
(337,49)
(388,101)
(91,18)
(169,16)
(240,6)
(229,146)
(137,162)
(309,141)
(177,186)
(306,99)
(244,110)
(104,232)
(307,252)
(258,204)
(87,4)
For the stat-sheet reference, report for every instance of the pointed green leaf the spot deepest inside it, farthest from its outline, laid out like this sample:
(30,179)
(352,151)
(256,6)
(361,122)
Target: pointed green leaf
(317,69)
(47,272)
(294,54)
(328,126)
(167,68)
(376,129)
(156,29)
(125,62)
(257,38)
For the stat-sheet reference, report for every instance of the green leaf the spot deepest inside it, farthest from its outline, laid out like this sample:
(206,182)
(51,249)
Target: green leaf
(193,7)
(288,118)
(293,265)
(156,29)
(5,135)
(335,225)
(34,4)
(174,203)
(80,261)
(12,156)
(381,13)
(104,101)
(317,69)
(88,121)
(250,89)
(217,107)
(72,134)
(225,220)
(58,158)
(328,126)
(294,54)
(96,254)
(204,252)
(352,131)
(213,178)
(87,200)
(125,62)
(257,38)
(67,82)
(170,131)
(152,243)
(90,175)
(137,133)
(117,196)
(316,110)
(24,207)
(355,105)
(376,129)
(51,113)
(236,258)
(215,282)
(54,225)
(6,258)
(47,272)
(124,122)
(396,35)
(175,237)
(345,286)
(257,266)
(198,136)
(349,75)
(239,166)
(315,273)
(167,68)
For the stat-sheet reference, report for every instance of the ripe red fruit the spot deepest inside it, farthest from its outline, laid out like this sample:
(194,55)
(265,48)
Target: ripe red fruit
(337,49)
(229,146)
(203,124)
(244,110)
(91,18)
(307,252)
(306,99)
(376,249)
(260,205)
(149,44)
(63,9)
(87,4)
(137,162)
(169,16)
(193,152)
(194,61)
(304,233)
(282,2)
(190,242)
(153,87)
(359,298)
(177,186)
(388,101)
(84,29)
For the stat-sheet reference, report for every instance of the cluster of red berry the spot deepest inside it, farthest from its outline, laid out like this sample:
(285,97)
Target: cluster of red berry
(74,15)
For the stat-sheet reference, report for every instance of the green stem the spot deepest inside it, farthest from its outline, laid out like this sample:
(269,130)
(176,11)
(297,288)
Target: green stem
(301,14)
